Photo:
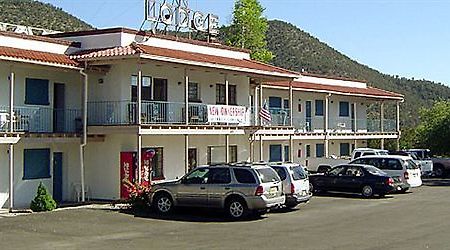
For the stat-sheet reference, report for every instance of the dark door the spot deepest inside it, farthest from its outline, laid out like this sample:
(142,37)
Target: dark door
(275,153)
(308,110)
(352,115)
(57,176)
(160,89)
(59,105)
(160,107)
(331,178)
(192,159)
(351,180)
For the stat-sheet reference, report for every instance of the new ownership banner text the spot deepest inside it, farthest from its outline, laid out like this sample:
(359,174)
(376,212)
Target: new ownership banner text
(227,114)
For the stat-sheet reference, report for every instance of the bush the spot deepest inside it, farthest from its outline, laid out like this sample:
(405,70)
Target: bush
(139,196)
(43,200)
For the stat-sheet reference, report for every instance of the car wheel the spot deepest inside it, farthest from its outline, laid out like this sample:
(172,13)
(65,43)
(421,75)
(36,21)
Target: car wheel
(311,187)
(237,209)
(439,171)
(163,203)
(367,191)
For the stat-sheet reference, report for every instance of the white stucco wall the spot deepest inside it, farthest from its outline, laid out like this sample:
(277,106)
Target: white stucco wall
(25,190)
(28,44)
(103,158)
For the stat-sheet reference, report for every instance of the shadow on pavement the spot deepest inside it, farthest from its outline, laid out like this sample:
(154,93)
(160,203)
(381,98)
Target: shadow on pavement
(436,182)
(188,215)
(351,196)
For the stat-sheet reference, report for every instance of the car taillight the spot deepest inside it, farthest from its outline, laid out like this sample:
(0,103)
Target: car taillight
(390,182)
(292,188)
(406,175)
(259,191)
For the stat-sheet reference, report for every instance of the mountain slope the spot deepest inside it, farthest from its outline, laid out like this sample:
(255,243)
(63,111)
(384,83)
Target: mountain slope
(39,15)
(296,50)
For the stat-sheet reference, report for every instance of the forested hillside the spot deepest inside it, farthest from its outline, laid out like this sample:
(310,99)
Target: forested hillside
(296,50)
(39,15)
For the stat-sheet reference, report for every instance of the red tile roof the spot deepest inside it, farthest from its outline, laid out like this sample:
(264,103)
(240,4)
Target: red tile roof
(368,91)
(37,56)
(138,49)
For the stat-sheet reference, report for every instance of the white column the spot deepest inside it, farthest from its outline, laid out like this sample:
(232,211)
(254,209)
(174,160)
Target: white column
(139,157)
(252,148)
(11,146)
(291,148)
(261,148)
(325,126)
(398,125)
(255,106)
(186,153)
(291,108)
(382,123)
(227,148)
(11,177)
(186,97)
(260,102)
(355,120)
(139,97)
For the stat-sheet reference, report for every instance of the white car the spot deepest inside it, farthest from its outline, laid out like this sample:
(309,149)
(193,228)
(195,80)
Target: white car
(295,183)
(358,152)
(400,168)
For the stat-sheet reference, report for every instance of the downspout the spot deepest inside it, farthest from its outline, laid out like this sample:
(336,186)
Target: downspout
(84,137)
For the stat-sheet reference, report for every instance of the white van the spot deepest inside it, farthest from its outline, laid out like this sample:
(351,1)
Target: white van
(400,168)
(358,152)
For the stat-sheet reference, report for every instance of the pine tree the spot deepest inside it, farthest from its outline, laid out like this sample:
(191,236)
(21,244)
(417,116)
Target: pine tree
(43,200)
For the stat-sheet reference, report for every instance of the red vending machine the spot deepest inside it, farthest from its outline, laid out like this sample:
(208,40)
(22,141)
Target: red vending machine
(129,172)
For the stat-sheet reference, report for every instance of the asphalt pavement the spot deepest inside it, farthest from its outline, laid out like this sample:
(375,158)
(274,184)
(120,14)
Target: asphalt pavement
(416,220)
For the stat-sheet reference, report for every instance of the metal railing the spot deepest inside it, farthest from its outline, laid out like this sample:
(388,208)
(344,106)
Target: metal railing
(41,120)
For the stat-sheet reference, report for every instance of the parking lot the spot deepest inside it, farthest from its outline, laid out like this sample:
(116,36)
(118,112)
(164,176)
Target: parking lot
(417,220)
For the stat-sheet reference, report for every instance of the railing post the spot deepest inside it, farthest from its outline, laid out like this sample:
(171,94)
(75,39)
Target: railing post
(186,97)
(291,108)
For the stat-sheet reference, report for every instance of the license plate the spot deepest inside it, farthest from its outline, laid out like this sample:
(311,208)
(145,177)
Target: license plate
(273,190)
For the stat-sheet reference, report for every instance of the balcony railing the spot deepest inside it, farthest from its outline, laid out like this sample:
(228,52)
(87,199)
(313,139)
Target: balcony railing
(152,112)
(41,120)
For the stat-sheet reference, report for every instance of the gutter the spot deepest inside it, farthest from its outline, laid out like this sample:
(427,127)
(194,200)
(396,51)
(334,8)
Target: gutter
(84,137)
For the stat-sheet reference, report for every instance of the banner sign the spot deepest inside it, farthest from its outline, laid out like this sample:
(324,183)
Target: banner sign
(179,15)
(227,114)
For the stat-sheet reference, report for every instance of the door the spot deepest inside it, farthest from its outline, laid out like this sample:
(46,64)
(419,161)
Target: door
(57,176)
(218,187)
(351,179)
(330,179)
(192,158)
(352,115)
(192,189)
(160,109)
(308,111)
(59,103)
(275,153)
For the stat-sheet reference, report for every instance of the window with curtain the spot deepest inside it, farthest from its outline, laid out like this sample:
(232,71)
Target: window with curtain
(194,92)
(220,94)
(146,88)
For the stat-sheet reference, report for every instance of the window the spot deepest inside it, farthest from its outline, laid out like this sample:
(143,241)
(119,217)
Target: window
(36,91)
(344,109)
(157,164)
(216,154)
(267,175)
(392,164)
(275,153)
(281,172)
(344,149)
(244,176)
(354,172)
(36,164)
(286,104)
(220,94)
(336,171)
(357,155)
(286,153)
(308,150)
(198,176)
(299,173)
(146,88)
(193,92)
(320,150)
(275,102)
(319,107)
(219,176)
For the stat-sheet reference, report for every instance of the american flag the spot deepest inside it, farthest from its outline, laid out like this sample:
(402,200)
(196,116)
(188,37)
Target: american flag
(264,113)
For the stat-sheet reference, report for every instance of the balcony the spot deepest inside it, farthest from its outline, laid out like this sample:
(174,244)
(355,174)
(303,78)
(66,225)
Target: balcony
(41,120)
(105,113)
(362,125)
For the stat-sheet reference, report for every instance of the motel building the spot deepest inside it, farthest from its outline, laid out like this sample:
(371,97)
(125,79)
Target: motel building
(87,113)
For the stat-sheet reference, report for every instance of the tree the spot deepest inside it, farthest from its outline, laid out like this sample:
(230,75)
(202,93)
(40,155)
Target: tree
(248,29)
(433,131)
(43,200)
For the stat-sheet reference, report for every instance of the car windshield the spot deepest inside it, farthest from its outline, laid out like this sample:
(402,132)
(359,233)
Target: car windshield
(410,164)
(374,170)
(267,175)
(299,173)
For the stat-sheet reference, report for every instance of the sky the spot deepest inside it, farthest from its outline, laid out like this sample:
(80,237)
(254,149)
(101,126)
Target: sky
(408,38)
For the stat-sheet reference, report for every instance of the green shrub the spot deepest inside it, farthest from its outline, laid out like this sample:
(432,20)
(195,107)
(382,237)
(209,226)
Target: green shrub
(43,200)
